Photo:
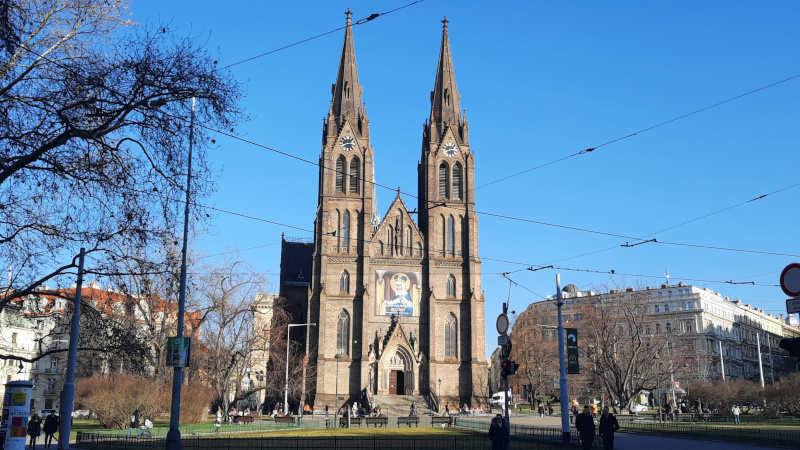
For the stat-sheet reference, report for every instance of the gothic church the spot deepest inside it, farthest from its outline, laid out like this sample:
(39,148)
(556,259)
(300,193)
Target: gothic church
(397,302)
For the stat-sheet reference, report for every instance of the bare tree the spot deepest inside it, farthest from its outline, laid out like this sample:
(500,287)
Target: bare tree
(536,355)
(630,351)
(94,115)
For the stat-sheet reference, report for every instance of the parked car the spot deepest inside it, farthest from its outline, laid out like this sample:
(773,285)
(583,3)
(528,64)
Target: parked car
(639,408)
(46,412)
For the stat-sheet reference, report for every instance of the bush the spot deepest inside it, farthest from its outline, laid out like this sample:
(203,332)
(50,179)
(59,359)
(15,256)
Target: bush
(115,398)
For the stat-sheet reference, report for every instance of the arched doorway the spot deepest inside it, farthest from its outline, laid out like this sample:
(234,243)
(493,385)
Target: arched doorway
(396,370)
(397,384)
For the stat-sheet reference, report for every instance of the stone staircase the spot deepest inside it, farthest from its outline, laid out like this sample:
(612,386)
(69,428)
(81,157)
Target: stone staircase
(400,405)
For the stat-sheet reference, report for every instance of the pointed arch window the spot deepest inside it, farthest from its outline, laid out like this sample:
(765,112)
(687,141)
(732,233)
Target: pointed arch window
(343,334)
(450,336)
(451,286)
(444,181)
(457,177)
(341,173)
(389,238)
(345,233)
(444,235)
(354,171)
(344,282)
(451,238)
(407,244)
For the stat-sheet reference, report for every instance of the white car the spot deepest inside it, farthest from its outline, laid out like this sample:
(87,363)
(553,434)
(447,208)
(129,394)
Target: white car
(639,408)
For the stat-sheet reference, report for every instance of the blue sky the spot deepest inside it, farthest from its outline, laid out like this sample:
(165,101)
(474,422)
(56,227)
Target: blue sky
(540,81)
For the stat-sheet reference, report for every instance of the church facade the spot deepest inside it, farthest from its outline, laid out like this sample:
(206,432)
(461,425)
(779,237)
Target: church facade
(397,302)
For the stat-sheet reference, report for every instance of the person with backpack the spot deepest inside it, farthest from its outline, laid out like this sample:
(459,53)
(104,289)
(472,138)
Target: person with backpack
(134,425)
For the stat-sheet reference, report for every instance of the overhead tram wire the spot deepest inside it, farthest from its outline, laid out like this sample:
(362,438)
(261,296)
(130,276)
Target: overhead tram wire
(370,18)
(592,149)
(534,267)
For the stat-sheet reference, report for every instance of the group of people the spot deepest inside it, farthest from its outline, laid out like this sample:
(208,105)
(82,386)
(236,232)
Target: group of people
(50,426)
(606,429)
(141,427)
(545,408)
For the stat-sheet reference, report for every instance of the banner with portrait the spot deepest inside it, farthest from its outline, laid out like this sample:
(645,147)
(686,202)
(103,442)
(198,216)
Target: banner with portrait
(397,293)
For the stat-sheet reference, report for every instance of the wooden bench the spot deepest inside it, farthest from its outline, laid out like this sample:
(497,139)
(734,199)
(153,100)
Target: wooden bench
(443,420)
(353,422)
(284,419)
(408,421)
(243,419)
(375,421)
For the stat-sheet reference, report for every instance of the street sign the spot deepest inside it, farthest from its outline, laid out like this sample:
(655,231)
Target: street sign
(503,339)
(502,323)
(573,367)
(790,280)
(178,351)
(793,305)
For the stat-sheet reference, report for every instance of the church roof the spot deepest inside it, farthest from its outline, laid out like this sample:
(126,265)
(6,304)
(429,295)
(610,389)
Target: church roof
(296,263)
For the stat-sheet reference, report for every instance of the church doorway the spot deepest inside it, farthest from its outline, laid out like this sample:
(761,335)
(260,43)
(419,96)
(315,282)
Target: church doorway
(397,385)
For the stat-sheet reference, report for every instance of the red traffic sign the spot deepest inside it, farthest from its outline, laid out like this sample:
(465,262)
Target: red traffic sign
(502,323)
(790,280)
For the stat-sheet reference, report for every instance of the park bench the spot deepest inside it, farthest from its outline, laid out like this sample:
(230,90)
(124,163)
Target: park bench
(284,419)
(408,421)
(443,420)
(375,421)
(354,421)
(243,419)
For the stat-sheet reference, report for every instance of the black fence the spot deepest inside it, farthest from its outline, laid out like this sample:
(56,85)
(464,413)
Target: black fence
(735,433)
(217,442)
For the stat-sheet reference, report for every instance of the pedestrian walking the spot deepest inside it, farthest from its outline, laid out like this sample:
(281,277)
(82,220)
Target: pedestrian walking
(134,425)
(498,433)
(735,410)
(585,425)
(608,426)
(413,408)
(541,411)
(447,408)
(51,423)
(34,429)
(218,422)
(549,409)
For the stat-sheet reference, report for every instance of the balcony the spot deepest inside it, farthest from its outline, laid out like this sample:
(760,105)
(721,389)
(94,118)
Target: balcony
(52,391)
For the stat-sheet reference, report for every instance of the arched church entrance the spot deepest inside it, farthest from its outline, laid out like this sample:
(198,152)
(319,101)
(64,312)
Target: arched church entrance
(397,372)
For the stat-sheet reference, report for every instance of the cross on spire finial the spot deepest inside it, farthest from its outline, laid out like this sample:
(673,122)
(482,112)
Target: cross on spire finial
(349,13)
(444,21)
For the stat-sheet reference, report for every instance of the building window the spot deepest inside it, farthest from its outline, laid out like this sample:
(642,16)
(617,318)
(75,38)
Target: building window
(13,338)
(344,282)
(444,181)
(451,239)
(450,342)
(407,244)
(451,286)
(655,308)
(345,233)
(341,173)
(457,181)
(354,171)
(666,308)
(343,334)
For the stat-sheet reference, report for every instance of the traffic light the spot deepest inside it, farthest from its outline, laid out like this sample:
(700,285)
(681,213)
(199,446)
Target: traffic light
(508,368)
(791,345)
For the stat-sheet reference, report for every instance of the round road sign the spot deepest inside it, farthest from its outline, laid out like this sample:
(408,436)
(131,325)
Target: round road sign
(502,323)
(790,280)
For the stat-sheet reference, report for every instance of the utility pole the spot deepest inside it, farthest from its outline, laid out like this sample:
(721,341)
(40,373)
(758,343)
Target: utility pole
(566,435)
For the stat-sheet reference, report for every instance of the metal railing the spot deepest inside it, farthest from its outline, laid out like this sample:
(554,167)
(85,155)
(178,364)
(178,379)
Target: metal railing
(431,442)
(749,435)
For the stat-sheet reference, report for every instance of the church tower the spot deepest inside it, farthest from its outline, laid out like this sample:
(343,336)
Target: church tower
(397,302)
(452,268)
(342,227)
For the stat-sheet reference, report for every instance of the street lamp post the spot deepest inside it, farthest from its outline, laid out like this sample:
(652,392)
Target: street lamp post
(336,402)
(566,433)
(286,387)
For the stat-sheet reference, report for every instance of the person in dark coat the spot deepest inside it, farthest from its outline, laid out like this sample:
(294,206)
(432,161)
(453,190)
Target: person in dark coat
(585,425)
(498,433)
(608,426)
(134,425)
(34,429)
(51,423)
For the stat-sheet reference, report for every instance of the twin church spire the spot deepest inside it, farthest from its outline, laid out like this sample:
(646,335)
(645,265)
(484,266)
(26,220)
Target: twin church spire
(347,92)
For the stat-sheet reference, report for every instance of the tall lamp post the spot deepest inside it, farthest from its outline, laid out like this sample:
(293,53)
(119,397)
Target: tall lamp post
(286,387)
(336,402)
(566,433)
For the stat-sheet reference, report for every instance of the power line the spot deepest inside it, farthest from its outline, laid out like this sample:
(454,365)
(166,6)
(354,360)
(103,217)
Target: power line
(370,18)
(591,149)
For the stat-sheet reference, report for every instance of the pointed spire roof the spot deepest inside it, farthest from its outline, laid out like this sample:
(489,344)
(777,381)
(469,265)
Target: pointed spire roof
(347,91)
(445,101)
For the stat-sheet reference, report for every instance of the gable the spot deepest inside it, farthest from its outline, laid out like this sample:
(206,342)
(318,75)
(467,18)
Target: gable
(398,235)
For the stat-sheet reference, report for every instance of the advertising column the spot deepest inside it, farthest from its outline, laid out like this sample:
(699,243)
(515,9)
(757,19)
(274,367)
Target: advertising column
(16,409)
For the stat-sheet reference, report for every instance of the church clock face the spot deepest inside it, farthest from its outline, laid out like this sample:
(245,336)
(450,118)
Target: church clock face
(450,149)
(347,143)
